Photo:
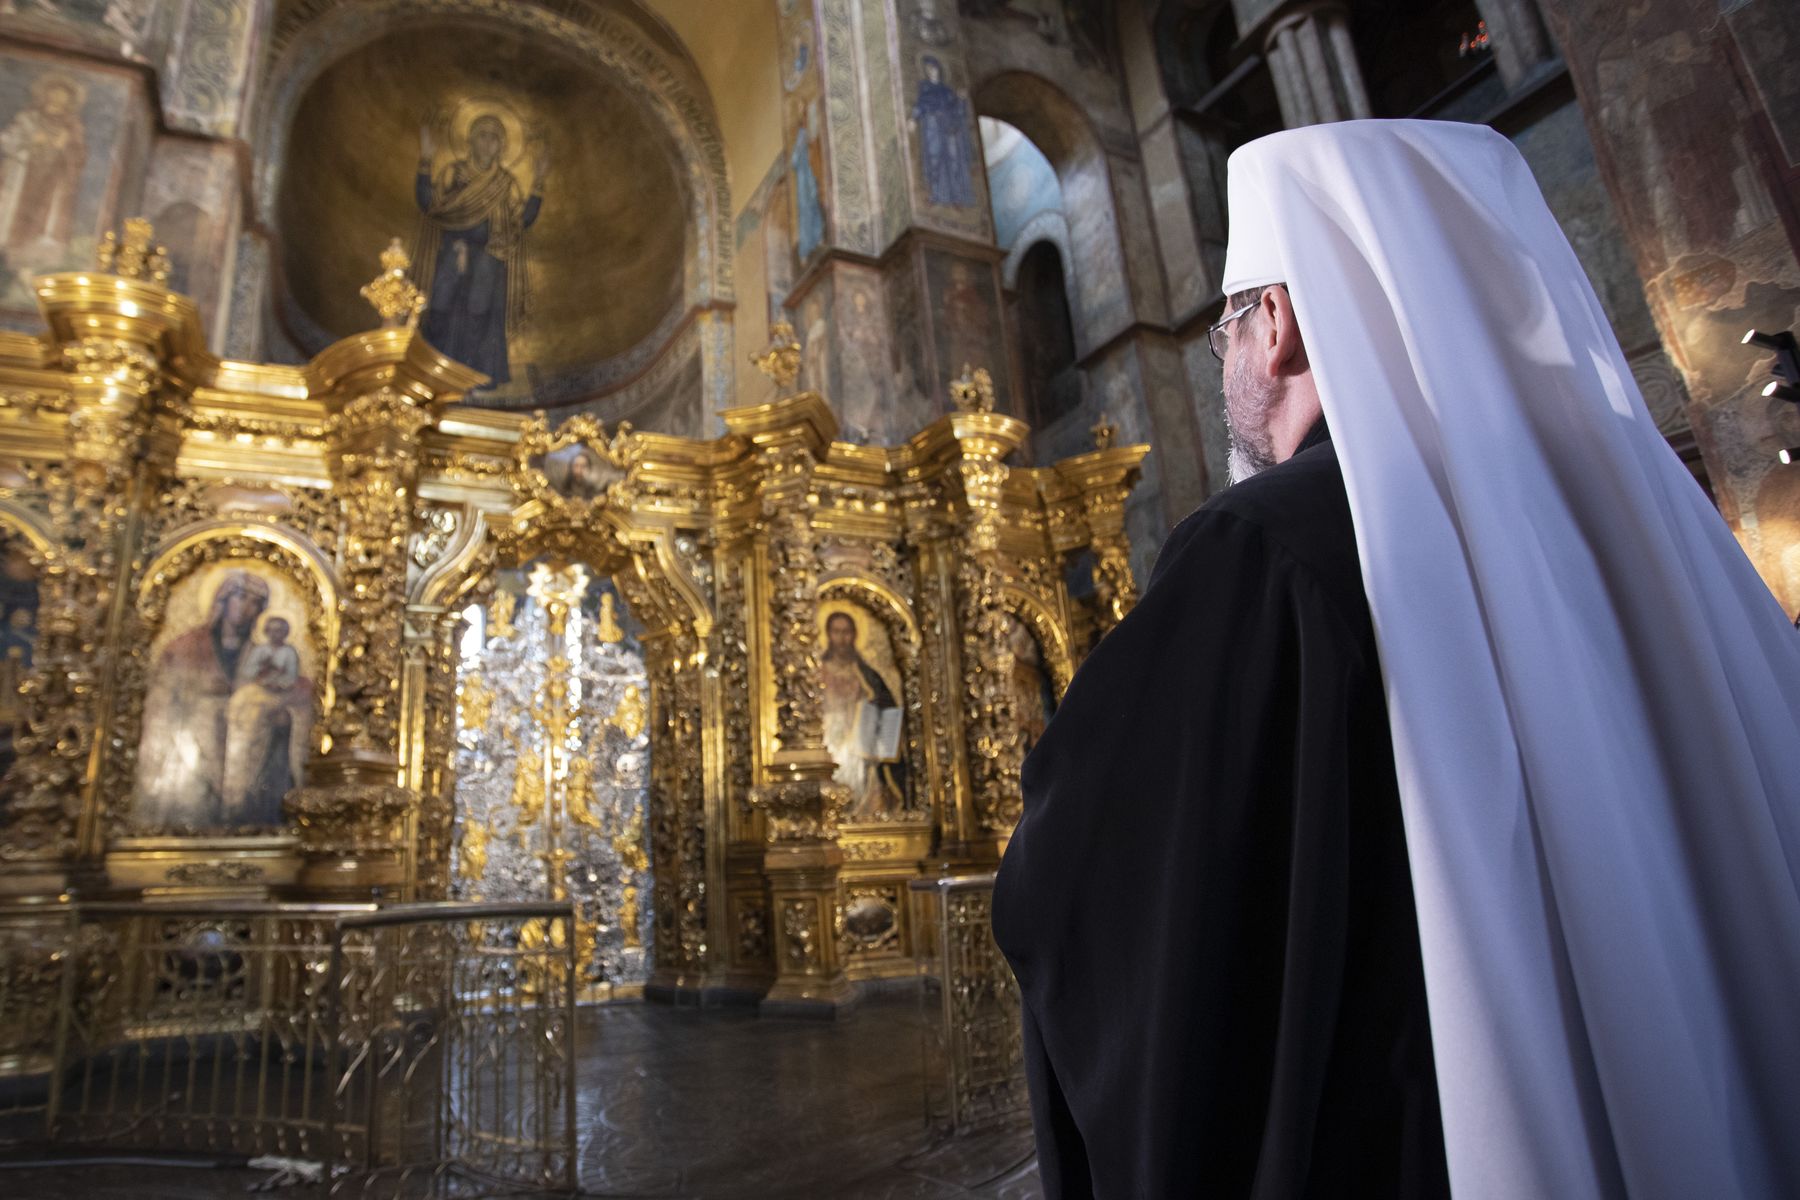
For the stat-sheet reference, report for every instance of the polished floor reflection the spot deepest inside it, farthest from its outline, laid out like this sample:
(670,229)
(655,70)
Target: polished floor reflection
(712,1105)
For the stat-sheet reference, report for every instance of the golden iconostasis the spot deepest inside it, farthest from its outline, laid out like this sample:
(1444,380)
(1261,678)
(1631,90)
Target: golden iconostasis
(329,633)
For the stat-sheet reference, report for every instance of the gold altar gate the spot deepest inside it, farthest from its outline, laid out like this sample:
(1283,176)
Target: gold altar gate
(252,581)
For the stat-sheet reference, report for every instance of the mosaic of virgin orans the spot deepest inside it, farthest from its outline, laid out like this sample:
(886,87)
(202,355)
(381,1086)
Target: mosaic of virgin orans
(547,222)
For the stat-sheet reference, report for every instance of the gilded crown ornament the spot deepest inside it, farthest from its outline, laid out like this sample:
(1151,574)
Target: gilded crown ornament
(1104,433)
(138,256)
(391,294)
(781,361)
(973,390)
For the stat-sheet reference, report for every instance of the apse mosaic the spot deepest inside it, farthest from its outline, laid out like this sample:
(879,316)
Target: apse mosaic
(546,220)
(227,725)
(553,761)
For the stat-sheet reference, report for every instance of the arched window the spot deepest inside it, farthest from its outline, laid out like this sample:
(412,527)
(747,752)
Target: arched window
(1046,336)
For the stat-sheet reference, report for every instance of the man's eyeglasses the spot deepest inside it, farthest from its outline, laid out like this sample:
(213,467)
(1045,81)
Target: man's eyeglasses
(1215,333)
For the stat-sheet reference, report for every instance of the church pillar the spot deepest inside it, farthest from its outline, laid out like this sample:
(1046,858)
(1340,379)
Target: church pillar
(115,331)
(1516,33)
(794,791)
(1693,132)
(1313,63)
(963,570)
(1104,478)
(383,389)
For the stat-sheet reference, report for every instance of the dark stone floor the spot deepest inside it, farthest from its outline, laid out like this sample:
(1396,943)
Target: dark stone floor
(710,1105)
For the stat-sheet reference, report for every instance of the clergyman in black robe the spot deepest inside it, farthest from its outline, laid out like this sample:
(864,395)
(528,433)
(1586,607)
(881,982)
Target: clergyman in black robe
(1207,902)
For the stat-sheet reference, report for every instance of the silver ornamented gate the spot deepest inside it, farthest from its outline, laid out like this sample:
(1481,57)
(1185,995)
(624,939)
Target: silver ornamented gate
(553,766)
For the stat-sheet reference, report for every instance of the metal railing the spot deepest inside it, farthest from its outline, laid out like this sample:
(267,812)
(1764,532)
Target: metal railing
(406,1049)
(974,1060)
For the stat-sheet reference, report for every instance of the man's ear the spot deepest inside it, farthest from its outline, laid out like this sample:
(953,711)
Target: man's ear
(1287,354)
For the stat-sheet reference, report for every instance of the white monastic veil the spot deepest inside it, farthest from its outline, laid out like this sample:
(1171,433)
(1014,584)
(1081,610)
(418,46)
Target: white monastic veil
(1595,700)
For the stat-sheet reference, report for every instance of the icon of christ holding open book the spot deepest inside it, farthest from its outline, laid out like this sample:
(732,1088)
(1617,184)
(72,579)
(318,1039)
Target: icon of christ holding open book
(862,724)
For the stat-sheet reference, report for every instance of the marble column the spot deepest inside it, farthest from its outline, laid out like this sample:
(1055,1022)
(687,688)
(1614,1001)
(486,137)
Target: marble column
(1312,61)
(1516,33)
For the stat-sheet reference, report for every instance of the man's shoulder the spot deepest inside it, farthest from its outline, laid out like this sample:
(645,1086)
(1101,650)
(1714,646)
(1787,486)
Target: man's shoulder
(1298,508)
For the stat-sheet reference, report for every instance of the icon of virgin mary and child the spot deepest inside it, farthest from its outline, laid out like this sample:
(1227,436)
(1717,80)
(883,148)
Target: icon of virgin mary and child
(227,717)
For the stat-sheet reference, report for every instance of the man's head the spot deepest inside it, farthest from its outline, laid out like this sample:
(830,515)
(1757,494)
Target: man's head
(840,635)
(276,630)
(1271,401)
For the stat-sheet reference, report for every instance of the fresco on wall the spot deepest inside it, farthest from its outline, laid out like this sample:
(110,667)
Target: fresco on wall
(941,115)
(812,323)
(862,399)
(915,403)
(864,716)
(127,28)
(191,197)
(804,130)
(62,145)
(966,320)
(228,713)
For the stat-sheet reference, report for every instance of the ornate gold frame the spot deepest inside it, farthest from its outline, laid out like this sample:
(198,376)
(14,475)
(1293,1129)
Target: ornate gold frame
(140,457)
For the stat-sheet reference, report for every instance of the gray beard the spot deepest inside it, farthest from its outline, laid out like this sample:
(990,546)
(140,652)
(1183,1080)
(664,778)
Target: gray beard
(1249,450)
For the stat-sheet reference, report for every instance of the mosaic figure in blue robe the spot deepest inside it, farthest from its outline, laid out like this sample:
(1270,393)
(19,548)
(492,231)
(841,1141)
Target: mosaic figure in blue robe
(471,249)
(809,212)
(941,115)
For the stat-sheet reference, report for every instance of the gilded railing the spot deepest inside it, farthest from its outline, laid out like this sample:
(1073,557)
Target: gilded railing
(387,1050)
(974,1064)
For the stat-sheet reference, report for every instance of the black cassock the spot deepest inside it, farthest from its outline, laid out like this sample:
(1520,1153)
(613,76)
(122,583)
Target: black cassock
(1207,902)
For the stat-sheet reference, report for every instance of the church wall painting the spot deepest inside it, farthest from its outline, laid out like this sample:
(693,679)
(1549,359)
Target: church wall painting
(191,197)
(807,160)
(229,702)
(864,707)
(966,320)
(67,137)
(862,399)
(130,29)
(949,188)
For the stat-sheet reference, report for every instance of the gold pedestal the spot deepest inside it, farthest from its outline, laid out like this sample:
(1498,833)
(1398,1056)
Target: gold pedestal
(352,818)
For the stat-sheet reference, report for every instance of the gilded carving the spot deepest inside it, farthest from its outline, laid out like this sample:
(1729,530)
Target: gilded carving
(800,935)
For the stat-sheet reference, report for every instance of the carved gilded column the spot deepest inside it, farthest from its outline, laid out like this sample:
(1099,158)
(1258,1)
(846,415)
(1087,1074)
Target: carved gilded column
(1104,478)
(383,389)
(113,334)
(974,441)
(794,790)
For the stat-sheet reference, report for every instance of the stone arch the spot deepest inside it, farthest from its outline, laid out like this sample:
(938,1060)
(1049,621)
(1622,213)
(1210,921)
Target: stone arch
(1095,255)
(1050,227)
(319,33)
(903,633)
(169,564)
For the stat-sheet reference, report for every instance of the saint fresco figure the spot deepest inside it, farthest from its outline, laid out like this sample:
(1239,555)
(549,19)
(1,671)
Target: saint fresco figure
(471,246)
(941,115)
(42,151)
(862,724)
(226,718)
(809,209)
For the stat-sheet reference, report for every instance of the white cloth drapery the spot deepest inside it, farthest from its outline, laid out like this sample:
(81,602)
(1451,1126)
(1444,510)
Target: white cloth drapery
(1595,700)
